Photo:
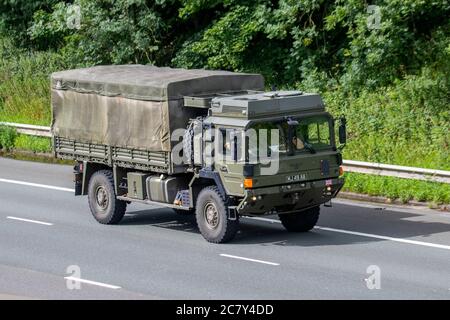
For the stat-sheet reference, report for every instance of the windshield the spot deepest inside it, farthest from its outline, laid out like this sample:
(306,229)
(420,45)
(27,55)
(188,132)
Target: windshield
(311,134)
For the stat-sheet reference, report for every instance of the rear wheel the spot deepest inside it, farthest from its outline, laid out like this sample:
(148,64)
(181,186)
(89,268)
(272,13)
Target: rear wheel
(300,221)
(103,203)
(212,216)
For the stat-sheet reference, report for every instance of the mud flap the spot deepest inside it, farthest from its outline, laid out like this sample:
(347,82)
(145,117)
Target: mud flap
(78,179)
(328,204)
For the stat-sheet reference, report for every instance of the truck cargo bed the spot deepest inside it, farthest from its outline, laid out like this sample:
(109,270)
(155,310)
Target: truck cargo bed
(157,161)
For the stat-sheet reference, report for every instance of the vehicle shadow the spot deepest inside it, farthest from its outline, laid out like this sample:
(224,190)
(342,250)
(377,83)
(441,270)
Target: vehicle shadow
(366,220)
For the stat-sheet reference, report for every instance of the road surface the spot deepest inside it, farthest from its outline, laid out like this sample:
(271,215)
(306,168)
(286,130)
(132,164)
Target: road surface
(48,240)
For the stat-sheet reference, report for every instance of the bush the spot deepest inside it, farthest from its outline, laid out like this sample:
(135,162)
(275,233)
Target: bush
(7,138)
(407,123)
(25,83)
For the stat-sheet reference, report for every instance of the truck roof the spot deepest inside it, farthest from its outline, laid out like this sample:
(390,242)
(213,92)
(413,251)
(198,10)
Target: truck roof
(144,82)
(266,104)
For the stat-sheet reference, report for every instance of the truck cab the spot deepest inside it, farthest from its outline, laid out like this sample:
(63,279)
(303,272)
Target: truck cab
(271,153)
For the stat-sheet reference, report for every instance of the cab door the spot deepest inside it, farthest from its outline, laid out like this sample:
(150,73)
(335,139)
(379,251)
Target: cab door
(229,159)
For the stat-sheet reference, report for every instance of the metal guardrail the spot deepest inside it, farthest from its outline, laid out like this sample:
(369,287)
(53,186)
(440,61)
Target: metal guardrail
(39,131)
(349,165)
(396,171)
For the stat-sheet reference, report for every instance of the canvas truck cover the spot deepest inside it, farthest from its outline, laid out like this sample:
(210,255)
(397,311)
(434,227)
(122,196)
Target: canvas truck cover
(134,106)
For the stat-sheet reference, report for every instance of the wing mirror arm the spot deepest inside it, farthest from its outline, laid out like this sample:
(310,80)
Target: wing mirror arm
(342,132)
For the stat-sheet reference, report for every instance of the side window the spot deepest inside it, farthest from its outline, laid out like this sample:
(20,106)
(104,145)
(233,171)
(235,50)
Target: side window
(321,135)
(269,135)
(230,145)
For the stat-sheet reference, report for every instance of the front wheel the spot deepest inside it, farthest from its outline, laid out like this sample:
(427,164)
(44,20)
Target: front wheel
(302,221)
(212,216)
(103,203)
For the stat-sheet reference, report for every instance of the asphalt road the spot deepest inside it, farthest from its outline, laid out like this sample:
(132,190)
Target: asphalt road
(46,234)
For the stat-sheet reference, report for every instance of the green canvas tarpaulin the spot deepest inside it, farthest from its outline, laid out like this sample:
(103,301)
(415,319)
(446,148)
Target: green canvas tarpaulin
(134,106)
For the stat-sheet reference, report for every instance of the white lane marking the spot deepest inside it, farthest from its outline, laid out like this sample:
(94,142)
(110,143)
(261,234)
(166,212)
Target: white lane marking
(28,220)
(38,185)
(368,235)
(248,259)
(94,283)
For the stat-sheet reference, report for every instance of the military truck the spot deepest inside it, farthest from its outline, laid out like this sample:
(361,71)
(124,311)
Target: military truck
(180,139)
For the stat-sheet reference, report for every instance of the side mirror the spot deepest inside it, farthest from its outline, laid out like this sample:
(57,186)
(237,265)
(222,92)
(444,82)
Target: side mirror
(342,130)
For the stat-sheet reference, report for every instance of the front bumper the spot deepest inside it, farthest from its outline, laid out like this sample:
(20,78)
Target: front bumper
(289,197)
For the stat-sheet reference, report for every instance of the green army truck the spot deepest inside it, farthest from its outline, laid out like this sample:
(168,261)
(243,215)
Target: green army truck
(209,143)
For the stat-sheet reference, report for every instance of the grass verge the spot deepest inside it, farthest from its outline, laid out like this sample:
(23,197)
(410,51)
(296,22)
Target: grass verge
(397,188)
(11,140)
(34,144)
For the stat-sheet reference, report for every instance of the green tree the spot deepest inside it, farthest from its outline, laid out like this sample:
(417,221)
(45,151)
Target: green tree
(16,16)
(111,31)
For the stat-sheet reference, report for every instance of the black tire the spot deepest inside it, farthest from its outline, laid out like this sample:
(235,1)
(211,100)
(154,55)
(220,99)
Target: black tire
(302,221)
(103,203)
(212,216)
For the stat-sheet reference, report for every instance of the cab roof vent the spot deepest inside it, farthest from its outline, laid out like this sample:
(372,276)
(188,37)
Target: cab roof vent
(276,94)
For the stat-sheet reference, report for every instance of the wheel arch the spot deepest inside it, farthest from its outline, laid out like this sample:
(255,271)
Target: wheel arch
(89,168)
(204,179)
